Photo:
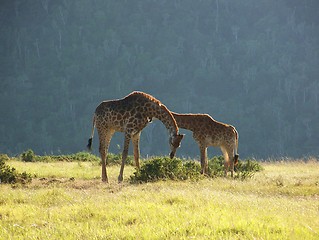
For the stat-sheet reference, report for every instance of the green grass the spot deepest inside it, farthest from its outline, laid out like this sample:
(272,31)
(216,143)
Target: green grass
(67,200)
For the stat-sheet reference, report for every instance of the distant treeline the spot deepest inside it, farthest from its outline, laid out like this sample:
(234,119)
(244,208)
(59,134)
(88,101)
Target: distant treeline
(252,64)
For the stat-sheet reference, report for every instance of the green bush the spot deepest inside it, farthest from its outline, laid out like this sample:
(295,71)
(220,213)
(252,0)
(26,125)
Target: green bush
(216,166)
(244,169)
(192,170)
(80,156)
(175,169)
(112,159)
(247,169)
(10,175)
(162,168)
(28,156)
(4,157)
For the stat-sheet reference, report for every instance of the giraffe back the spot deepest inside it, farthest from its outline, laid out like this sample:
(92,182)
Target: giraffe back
(206,130)
(133,112)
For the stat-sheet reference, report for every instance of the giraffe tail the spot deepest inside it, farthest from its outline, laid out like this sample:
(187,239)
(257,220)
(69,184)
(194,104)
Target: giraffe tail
(89,146)
(236,147)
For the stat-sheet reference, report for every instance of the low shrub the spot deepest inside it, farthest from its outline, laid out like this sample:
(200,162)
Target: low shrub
(163,168)
(244,169)
(4,157)
(192,170)
(112,159)
(80,156)
(10,175)
(247,169)
(28,156)
(216,166)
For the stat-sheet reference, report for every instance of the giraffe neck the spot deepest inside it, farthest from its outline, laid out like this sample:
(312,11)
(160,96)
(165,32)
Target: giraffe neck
(152,107)
(164,115)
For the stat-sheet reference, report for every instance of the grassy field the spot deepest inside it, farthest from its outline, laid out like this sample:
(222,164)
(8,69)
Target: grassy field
(67,200)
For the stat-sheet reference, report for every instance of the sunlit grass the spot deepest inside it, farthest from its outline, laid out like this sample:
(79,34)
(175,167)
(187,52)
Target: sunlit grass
(68,201)
(79,170)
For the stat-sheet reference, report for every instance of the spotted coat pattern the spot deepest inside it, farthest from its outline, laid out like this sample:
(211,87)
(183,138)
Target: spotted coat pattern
(130,115)
(209,132)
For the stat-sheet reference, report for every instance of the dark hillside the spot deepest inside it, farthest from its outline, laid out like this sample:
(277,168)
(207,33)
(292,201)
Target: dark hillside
(252,64)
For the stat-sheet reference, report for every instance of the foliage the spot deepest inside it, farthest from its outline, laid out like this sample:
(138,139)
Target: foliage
(216,166)
(30,156)
(59,59)
(116,159)
(244,169)
(176,169)
(164,168)
(247,169)
(192,169)
(10,175)
(80,156)
(4,157)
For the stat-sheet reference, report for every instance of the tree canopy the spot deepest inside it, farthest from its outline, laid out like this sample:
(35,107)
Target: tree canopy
(252,64)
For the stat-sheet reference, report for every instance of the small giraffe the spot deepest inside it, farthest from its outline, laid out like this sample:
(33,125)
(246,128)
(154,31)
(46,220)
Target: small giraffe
(130,115)
(208,132)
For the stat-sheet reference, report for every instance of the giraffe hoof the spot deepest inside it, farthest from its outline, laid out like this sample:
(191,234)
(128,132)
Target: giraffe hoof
(120,179)
(105,180)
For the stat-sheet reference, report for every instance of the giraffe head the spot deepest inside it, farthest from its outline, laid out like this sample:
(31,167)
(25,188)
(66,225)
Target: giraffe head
(174,143)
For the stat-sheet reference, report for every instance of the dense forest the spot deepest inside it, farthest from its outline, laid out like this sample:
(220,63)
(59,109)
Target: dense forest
(252,64)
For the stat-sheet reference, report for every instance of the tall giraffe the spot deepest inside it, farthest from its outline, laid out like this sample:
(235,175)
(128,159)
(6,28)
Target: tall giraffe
(209,132)
(130,115)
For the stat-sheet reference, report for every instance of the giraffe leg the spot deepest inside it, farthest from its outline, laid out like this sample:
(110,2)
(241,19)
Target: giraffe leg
(231,158)
(103,154)
(226,160)
(104,146)
(232,168)
(203,158)
(124,155)
(230,152)
(105,136)
(136,147)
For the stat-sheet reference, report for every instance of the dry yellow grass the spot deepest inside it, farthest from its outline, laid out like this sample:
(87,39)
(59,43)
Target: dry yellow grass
(68,201)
